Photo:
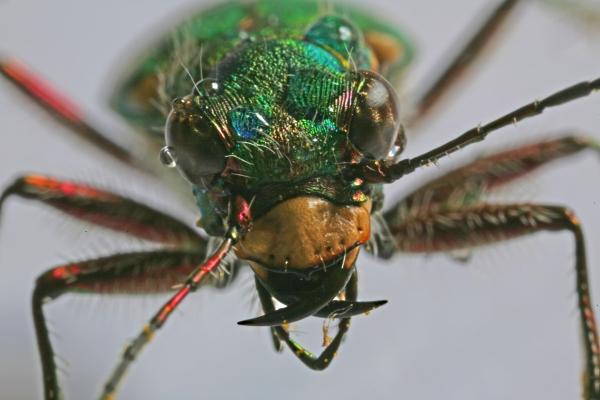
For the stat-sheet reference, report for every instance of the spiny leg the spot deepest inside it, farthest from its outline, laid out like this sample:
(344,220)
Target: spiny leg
(467,184)
(481,224)
(467,56)
(62,109)
(141,272)
(309,359)
(158,320)
(379,171)
(132,272)
(105,209)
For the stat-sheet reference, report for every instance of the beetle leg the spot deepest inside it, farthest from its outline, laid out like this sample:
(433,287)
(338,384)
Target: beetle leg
(141,272)
(481,224)
(467,184)
(106,209)
(377,171)
(62,109)
(124,273)
(466,57)
(192,283)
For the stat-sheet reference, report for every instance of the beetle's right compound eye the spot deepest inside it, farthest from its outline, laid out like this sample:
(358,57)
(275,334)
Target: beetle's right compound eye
(376,123)
(193,143)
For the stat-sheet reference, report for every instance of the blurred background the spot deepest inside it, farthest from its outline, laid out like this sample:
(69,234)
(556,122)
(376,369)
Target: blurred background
(504,325)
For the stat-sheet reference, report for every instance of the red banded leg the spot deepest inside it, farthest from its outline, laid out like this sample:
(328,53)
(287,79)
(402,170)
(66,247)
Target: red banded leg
(241,220)
(123,273)
(158,320)
(105,209)
(142,272)
(63,109)
(448,230)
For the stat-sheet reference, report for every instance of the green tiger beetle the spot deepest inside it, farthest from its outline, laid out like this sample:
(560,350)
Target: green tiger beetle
(283,119)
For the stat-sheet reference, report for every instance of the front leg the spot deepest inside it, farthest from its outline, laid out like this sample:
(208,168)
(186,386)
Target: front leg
(143,272)
(191,284)
(104,208)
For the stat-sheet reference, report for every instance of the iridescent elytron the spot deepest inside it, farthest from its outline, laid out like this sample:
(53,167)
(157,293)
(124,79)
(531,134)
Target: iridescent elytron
(281,118)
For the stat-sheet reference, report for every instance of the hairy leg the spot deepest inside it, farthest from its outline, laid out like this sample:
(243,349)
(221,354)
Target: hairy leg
(481,224)
(469,183)
(105,209)
(141,272)
(191,284)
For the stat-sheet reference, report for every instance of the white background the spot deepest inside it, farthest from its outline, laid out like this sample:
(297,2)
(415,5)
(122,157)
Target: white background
(502,326)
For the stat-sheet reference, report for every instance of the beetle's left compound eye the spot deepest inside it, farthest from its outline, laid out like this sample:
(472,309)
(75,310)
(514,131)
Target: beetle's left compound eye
(375,122)
(193,143)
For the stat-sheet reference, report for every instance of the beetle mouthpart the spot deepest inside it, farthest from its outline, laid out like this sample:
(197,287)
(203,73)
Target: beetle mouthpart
(346,309)
(313,300)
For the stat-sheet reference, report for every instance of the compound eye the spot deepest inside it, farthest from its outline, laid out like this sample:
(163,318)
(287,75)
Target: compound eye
(375,122)
(193,143)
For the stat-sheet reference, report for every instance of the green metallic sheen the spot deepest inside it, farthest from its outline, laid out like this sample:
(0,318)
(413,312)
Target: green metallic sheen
(294,86)
(277,80)
(217,31)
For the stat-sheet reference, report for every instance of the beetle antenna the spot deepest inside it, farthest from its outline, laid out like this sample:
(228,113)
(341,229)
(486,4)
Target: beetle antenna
(377,171)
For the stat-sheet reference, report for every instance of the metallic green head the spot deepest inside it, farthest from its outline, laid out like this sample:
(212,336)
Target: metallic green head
(281,117)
